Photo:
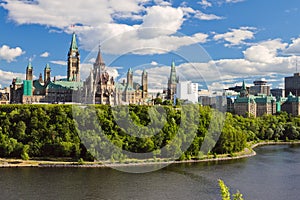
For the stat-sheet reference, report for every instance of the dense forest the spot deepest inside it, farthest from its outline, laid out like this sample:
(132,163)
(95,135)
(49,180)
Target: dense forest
(104,133)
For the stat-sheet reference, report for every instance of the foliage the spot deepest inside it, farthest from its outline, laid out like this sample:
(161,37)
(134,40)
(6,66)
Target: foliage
(29,131)
(225,193)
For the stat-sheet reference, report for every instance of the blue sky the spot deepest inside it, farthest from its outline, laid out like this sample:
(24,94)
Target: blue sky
(217,43)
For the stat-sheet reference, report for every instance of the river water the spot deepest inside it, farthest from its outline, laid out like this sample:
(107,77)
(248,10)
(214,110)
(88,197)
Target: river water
(274,173)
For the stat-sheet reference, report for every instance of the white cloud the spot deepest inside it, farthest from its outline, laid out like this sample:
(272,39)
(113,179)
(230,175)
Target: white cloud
(163,3)
(265,52)
(294,47)
(260,60)
(6,77)
(154,63)
(10,54)
(59,62)
(234,1)
(188,11)
(236,36)
(203,16)
(205,3)
(45,55)
(155,27)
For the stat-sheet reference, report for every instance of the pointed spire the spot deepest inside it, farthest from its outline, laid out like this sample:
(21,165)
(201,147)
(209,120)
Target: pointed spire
(73,42)
(29,66)
(244,85)
(47,66)
(130,70)
(173,64)
(99,59)
(173,78)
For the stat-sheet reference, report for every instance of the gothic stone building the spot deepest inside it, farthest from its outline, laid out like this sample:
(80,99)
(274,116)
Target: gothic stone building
(46,90)
(251,105)
(101,88)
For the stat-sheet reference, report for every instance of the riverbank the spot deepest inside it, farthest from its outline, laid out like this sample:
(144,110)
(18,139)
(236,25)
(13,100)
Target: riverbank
(248,152)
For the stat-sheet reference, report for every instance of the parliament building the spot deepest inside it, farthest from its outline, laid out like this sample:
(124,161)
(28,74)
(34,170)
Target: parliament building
(98,88)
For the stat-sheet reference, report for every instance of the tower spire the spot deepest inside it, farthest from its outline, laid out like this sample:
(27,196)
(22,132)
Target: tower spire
(73,46)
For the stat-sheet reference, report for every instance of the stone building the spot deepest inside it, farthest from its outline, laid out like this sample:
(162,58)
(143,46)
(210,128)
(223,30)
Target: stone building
(46,90)
(101,88)
(4,96)
(251,105)
(291,105)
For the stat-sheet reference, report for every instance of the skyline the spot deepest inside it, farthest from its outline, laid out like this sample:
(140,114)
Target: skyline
(243,39)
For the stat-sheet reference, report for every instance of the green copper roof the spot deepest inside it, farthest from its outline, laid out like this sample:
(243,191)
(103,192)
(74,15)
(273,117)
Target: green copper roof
(130,70)
(68,85)
(29,66)
(47,66)
(173,64)
(173,78)
(74,43)
(19,81)
(244,85)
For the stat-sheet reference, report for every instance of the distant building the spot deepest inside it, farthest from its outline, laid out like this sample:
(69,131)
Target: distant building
(101,88)
(4,96)
(291,105)
(45,90)
(188,91)
(172,83)
(278,92)
(292,85)
(260,87)
(259,105)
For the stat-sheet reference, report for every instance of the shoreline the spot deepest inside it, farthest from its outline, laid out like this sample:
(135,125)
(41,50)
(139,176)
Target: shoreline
(18,163)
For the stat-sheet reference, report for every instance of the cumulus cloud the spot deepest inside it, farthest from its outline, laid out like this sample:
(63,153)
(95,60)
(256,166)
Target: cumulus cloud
(10,54)
(265,52)
(236,37)
(6,77)
(45,55)
(157,24)
(262,59)
(294,47)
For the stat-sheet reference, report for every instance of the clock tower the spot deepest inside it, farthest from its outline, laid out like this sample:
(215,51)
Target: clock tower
(73,73)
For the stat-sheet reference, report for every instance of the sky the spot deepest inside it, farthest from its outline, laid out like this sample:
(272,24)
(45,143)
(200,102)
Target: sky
(217,43)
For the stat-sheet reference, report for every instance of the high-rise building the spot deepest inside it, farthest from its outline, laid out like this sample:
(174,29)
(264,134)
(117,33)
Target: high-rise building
(292,85)
(186,90)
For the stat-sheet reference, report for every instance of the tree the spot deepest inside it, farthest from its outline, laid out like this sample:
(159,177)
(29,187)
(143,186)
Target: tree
(225,193)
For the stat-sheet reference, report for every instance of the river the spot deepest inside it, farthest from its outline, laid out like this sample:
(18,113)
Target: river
(274,173)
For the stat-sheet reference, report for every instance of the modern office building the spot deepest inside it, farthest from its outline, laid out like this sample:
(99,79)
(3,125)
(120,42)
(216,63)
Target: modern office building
(188,91)
(292,85)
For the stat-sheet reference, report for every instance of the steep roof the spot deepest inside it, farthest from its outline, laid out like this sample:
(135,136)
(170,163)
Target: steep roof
(74,46)
(99,59)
